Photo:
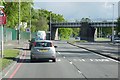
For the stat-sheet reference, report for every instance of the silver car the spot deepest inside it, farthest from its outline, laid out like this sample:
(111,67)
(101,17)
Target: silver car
(116,40)
(43,49)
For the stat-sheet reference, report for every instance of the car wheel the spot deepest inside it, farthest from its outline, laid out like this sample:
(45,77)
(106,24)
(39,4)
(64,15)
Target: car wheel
(54,60)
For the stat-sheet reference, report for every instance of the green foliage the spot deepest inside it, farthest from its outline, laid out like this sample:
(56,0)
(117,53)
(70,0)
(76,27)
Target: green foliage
(106,31)
(118,28)
(85,20)
(42,24)
(65,33)
(76,31)
(11,10)
(40,18)
(9,53)
(2,2)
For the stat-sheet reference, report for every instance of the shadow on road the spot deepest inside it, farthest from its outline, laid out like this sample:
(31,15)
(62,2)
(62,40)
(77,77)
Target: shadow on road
(22,49)
(26,49)
(11,58)
(19,48)
(35,61)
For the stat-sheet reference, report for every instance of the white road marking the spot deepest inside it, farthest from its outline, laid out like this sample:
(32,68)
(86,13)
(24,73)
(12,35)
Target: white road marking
(110,48)
(59,53)
(13,65)
(9,70)
(79,72)
(83,60)
(91,59)
(113,60)
(58,59)
(107,58)
(70,62)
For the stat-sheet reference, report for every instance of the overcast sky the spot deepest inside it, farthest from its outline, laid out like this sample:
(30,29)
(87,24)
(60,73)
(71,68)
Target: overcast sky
(79,9)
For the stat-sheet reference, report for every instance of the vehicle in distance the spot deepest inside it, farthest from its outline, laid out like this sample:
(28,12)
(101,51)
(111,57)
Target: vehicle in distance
(77,38)
(41,35)
(31,43)
(116,40)
(42,50)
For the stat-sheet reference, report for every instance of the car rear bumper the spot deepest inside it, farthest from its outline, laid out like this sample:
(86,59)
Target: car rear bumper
(43,56)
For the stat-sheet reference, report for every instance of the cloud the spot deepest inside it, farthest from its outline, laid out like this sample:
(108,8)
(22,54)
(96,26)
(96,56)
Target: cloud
(78,10)
(107,5)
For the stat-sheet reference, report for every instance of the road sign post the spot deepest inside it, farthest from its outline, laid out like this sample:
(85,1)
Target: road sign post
(2,22)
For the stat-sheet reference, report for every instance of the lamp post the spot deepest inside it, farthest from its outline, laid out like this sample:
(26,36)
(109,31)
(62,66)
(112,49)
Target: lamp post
(30,21)
(19,23)
(113,24)
(50,25)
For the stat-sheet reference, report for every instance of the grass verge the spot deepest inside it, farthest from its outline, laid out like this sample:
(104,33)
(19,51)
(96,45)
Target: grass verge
(102,39)
(9,56)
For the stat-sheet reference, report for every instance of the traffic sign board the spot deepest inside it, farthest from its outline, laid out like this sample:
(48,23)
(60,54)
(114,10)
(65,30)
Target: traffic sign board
(2,17)
(27,29)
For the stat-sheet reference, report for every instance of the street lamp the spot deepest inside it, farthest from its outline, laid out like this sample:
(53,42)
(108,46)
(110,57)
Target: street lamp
(19,23)
(30,21)
(113,24)
(50,25)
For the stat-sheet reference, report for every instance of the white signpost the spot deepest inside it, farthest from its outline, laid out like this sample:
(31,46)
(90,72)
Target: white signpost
(27,29)
(2,22)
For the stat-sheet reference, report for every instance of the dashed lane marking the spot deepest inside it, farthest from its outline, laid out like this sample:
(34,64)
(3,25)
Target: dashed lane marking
(92,60)
(70,62)
(83,60)
(58,59)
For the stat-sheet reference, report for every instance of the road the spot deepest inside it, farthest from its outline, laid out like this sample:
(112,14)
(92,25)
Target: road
(105,48)
(72,62)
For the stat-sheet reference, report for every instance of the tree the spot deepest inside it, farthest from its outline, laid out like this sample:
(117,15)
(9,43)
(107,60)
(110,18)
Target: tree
(65,33)
(75,32)
(118,28)
(85,20)
(2,2)
(42,24)
(12,10)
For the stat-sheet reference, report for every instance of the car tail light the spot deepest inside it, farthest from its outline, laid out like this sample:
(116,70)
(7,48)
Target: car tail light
(34,44)
(51,45)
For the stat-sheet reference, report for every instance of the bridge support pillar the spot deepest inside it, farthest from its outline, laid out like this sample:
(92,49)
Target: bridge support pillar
(54,33)
(87,32)
(95,35)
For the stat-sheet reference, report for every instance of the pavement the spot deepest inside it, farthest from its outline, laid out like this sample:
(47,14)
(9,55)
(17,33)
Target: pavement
(107,49)
(13,44)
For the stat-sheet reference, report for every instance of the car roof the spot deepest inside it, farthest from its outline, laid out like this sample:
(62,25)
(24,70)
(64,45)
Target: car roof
(43,41)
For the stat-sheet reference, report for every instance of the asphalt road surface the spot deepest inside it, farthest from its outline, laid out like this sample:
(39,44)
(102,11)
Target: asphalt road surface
(72,62)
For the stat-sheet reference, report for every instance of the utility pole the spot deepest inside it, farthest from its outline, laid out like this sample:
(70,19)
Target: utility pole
(19,23)
(30,21)
(113,24)
(50,25)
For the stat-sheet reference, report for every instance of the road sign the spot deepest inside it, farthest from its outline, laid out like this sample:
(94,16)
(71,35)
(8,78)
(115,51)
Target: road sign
(27,29)
(2,17)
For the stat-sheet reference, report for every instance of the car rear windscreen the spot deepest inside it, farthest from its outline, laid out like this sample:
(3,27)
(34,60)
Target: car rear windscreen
(43,44)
